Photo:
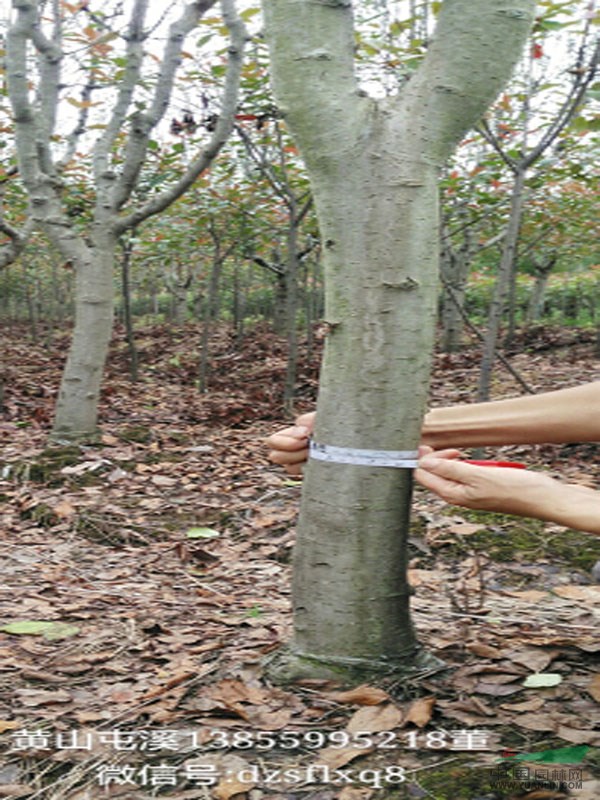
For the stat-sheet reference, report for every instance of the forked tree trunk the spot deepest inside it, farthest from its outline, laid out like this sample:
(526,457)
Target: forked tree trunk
(374,172)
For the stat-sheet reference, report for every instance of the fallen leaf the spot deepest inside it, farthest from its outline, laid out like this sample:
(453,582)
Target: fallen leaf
(475,705)
(542,680)
(375,718)
(424,577)
(484,650)
(350,793)
(9,725)
(465,528)
(420,711)
(202,533)
(578,736)
(240,777)
(265,720)
(163,480)
(64,509)
(497,689)
(39,697)
(529,595)
(537,722)
(533,658)
(527,705)
(360,695)
(50,630)
(453,711)
(336,757)
(589,594)
(593,687)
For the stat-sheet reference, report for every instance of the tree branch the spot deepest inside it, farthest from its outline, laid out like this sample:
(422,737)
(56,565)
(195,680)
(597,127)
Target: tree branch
(311,44)
(144,122)
(133,56)
(18,239)
(472,55)
(585,76)
(224,126)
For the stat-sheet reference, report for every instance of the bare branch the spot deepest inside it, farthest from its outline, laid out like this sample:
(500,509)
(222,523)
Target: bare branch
(584,77)
(18,239)
(144,122)
(491,138)
(452,94)
(223,128)
(134,56)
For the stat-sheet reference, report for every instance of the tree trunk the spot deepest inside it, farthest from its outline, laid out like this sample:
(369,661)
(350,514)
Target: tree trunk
(374,171)
(77,404)
(281,304)
(210,314)
(535,306)
(239,303)
(455,265)
(119,154)
(498,304)
(291,311)
(127,315)
(350,588)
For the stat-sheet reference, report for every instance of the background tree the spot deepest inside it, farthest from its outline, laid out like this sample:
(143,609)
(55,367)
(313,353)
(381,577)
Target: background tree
(271,158)
(520,150)
(38,50)
(374,169)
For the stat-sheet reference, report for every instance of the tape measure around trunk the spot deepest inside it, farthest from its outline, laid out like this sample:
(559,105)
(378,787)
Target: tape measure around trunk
(399,459)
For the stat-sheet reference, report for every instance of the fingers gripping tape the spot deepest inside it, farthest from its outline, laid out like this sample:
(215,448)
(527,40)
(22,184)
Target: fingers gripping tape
(400,459)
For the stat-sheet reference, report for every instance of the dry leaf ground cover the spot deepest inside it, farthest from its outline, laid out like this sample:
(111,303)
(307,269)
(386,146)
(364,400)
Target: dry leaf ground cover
(146,578)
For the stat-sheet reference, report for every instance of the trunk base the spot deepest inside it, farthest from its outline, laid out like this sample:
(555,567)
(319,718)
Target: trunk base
(286,667)
(64,438)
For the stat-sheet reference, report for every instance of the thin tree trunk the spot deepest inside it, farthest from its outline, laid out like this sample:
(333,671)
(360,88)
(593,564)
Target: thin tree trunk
(281,304)
(535,306)
(210,315)
(498,304)
(127,315)
(291,312)
(239,304)
(454,269)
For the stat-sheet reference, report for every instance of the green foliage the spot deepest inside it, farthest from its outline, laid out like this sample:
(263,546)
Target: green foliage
(572,298)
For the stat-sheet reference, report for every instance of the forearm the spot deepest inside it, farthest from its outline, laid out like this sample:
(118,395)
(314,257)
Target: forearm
(510,491)
(567,415)
(570,505)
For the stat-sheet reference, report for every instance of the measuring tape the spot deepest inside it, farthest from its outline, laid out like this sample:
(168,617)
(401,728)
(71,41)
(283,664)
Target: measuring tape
(400,459)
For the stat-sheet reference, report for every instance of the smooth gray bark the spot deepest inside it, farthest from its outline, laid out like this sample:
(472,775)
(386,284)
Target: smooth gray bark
(374,169)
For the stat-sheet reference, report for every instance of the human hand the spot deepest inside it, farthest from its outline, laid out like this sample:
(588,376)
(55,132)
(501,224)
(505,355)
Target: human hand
(504,490)
(289,446)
